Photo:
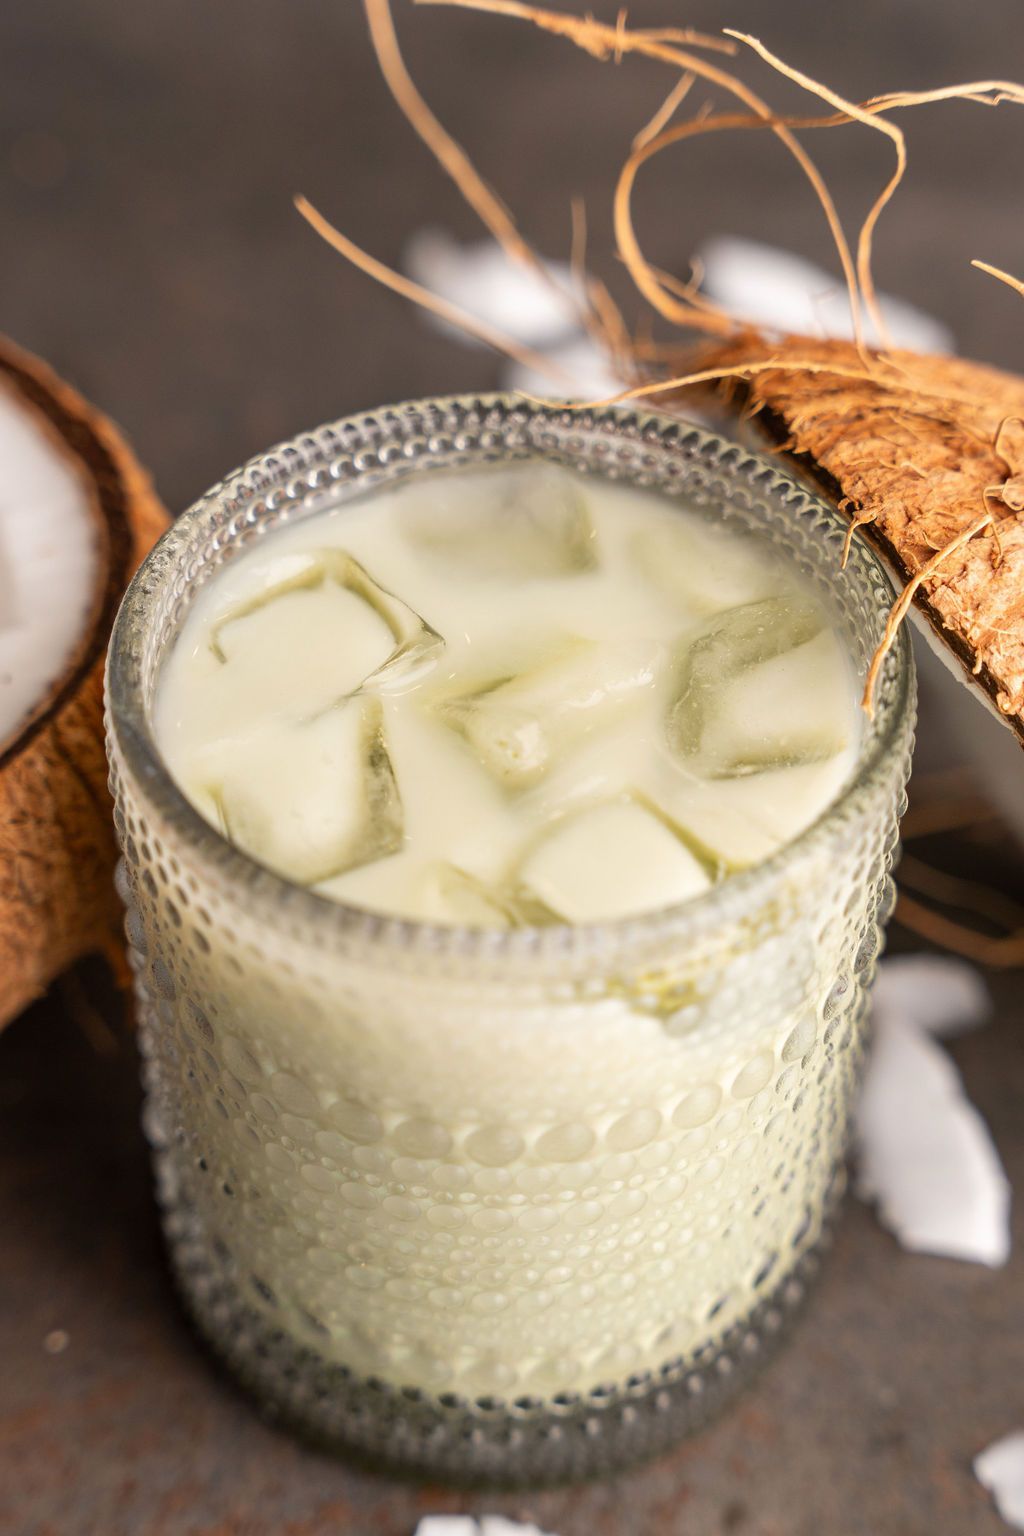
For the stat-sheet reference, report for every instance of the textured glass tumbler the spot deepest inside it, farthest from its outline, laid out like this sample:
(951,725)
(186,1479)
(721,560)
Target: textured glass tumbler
(500,1205)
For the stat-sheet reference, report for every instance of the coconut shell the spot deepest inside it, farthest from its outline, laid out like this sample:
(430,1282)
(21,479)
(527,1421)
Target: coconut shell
(57,852)
(916,449)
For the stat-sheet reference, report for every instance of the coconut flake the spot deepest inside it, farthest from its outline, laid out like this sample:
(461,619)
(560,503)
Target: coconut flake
(483,280)
(448,1525)
(48,561)
(583,366)
(1000,1469)
(466,1525)
(785,293)
(942,996)
(925,1154)
(515,299)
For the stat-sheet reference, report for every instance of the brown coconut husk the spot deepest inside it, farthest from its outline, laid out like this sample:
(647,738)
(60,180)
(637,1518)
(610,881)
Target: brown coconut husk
(57,852)
(926,454)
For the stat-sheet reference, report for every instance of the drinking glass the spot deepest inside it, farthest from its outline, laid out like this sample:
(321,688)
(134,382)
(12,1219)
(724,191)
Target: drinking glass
(505,1205)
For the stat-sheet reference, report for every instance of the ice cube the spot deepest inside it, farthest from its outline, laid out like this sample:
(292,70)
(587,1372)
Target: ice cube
(703,569)
(746,819)
(291,655)
(715,864)
(477,903)
(316,799)
(734,643)
(610,861)
(719,817)
(523,523)
(788,712)
(415,644)
(304,574)
(519,726)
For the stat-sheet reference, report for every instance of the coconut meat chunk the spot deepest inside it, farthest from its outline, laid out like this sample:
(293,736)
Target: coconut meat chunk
(50,554)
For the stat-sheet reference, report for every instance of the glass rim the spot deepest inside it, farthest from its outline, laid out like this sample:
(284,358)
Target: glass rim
(290,471)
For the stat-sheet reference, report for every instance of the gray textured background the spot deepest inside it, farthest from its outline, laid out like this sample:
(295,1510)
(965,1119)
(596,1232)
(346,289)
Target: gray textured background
(148,248)
(149,153)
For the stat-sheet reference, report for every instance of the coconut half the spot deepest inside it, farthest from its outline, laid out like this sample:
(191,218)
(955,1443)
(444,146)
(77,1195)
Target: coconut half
(919,450)
(77,514)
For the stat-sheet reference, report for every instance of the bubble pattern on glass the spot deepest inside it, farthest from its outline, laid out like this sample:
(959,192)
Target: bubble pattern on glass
(628,1141)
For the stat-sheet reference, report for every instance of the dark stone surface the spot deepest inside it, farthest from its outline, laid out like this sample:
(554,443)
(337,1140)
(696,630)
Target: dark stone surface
(148,154)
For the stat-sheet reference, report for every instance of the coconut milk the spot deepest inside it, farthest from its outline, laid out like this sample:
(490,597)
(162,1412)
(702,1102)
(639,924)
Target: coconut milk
(509,698)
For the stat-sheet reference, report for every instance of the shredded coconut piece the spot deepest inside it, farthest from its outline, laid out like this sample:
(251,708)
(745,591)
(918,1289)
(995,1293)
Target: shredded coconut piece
(466,1525)
(483,279)
(783,292)
(926,1156)
(585,366)
(1000,1469)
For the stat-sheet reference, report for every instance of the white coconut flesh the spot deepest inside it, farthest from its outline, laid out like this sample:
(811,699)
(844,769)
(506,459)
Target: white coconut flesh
(51,555)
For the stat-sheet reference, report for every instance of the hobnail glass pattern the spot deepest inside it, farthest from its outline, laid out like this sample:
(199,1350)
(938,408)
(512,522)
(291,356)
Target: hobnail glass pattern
(501,1204)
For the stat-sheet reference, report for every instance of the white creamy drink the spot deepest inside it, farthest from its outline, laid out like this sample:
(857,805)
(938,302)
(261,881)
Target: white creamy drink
(511,1156)
(509,698)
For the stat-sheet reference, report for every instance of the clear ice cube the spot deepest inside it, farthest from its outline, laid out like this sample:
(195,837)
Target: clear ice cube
(703,568)
(480,903)
(791,711)
(734,644)
(520,726)
(416,645)
(612,860)
(704,849)
(749,817)
(714,818)
(773,755)
(292,656)
(316,799)
(528,522)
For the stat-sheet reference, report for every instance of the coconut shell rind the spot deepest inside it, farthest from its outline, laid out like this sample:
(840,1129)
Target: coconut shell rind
(57,851)
(917,449)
